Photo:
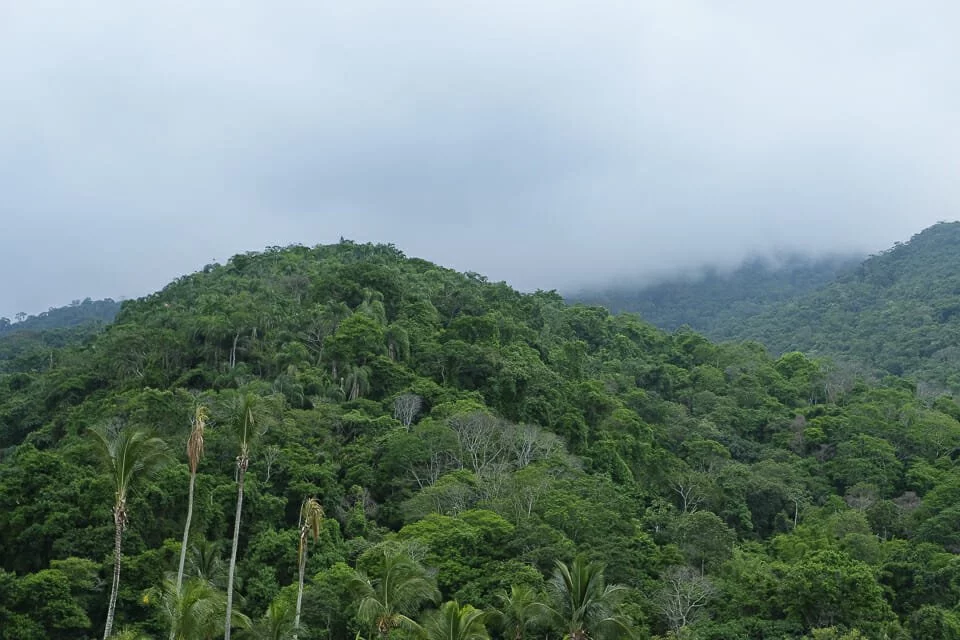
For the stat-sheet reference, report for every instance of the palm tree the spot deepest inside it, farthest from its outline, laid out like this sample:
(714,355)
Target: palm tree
(520,610)
(194,453)
(582,603)
(126,455)
(402,585)
(193,610)
(311,517)
(453,622)
(247,413)
(276,623)
(205,562)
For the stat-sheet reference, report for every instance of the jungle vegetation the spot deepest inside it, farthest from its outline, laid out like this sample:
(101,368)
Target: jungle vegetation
(340,441)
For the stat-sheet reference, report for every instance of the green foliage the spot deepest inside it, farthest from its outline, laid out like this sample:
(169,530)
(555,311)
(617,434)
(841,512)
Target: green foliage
(775,499)
(895,313)
(453,622)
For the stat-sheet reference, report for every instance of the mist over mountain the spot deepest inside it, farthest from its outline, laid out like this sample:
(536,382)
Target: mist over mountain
(897,312)
(710,298)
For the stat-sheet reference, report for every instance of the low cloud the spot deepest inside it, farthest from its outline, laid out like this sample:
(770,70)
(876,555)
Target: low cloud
(549,146)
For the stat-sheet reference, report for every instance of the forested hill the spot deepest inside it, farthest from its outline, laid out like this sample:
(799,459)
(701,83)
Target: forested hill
(713,300)
(29,342)
(481,460)
(895,313)
(80,312)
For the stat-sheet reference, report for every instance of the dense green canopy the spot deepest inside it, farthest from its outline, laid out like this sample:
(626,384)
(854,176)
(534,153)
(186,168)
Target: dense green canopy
(472,448)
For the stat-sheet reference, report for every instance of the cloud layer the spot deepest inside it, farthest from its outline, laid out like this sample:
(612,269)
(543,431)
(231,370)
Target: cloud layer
(548,144)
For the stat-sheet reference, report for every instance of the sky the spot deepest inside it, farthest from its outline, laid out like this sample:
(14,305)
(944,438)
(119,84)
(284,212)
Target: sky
(551,145)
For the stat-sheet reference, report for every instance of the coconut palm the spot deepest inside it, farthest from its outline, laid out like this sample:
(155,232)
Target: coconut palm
(194,453)
(193,610)
(277,622)
(127,455)
(400,588)
(205,562)
(453,622)
(311,517)
(582,603)
(520,609)
(248,414)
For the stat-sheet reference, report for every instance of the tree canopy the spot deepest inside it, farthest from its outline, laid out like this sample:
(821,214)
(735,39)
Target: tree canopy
(486,462)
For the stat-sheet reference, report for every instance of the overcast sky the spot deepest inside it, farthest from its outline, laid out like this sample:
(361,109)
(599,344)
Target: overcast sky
(550,144)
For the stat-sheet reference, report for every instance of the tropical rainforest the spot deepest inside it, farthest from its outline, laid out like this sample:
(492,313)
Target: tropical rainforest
(340,442)
(896,313)
(28,340)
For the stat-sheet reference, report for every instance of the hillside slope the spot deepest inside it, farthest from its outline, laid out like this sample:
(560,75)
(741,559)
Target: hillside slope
(712,301)
(79,313)
(474,437)
(897,313)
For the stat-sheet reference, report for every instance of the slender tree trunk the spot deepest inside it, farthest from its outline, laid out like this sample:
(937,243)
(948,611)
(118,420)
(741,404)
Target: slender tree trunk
(303,568)
(117,542)
(186,537)
(233,552)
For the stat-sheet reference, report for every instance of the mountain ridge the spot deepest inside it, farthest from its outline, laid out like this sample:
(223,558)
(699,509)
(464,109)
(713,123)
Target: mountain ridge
(897,312)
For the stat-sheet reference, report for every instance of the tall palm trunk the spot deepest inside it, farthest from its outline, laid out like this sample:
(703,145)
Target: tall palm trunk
(119,521)
(242,463)
(194,453)
(296,617)
(186,531)
(186,539)
(311,516)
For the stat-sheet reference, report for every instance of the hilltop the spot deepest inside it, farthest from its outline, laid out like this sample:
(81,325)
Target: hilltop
(475,437)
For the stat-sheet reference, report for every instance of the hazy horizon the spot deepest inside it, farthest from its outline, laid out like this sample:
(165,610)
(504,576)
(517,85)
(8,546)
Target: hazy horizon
(693,273)
(551,148)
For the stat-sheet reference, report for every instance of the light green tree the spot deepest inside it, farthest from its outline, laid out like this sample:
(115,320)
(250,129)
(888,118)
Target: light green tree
(583,604)
(520,609)
(193,609)
(127,455)
(397,591)
(453,622)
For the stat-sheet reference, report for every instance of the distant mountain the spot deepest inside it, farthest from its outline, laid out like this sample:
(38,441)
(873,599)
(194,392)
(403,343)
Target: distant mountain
(28,345)
(712,300)
(77,313)
(896,313)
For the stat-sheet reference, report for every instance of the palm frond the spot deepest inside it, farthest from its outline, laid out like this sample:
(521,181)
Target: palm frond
(127,453)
